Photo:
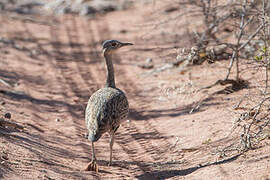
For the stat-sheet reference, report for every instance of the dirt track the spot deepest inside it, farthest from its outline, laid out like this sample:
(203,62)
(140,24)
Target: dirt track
(58,68)
(66,71)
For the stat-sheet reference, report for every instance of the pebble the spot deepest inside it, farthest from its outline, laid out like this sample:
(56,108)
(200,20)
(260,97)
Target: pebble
(148,64)
(86,135)
(57,120)
(4,157)
(8,115)
(123,31)
(149,60)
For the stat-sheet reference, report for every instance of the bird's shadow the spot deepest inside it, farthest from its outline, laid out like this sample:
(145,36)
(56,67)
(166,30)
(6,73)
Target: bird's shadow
(165,174)
(160,174)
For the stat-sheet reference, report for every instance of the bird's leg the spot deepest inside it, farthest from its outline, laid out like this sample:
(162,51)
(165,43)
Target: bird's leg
(93,152)
(111,147)
(92,166)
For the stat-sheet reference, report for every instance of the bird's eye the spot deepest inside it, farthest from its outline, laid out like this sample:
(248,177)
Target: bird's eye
(113,44)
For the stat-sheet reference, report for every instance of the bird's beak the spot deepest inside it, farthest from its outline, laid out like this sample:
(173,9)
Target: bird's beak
(126,44)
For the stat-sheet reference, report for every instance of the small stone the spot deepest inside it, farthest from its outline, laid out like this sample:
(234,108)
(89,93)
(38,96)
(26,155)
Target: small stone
(149,60)
(8,115)
(123,31)
(86,135)
(128,121)
(57,120)
(3,103)
(148,64)
(4,157)
(171,9)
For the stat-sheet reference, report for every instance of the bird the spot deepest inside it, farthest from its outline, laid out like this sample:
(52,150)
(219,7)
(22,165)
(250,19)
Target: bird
(107,107)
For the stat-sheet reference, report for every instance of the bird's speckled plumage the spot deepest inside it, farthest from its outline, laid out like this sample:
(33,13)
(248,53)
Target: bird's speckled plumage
(107,107)
(104,112)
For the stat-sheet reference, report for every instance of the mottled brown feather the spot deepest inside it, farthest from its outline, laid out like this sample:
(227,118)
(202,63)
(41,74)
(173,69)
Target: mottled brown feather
(104,112)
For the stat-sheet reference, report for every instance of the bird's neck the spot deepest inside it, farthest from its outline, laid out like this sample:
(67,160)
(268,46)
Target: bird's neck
(110,72)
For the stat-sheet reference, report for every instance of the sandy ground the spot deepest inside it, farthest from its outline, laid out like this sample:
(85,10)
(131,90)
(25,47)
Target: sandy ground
(171,133)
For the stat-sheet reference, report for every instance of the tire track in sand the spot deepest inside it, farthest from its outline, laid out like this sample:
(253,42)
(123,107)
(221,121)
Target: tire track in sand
(59,61)
(70,57)
(73,39)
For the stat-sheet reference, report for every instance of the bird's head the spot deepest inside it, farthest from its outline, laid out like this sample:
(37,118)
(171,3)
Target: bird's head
(111,46)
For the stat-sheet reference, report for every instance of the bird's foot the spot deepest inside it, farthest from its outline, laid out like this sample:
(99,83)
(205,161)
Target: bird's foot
(92,166)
